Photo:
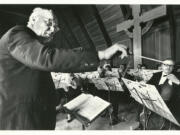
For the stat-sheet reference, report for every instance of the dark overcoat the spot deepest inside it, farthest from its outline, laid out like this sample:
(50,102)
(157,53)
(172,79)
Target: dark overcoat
(27,92)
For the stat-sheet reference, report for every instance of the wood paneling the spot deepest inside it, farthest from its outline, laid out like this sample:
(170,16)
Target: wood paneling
(157,44)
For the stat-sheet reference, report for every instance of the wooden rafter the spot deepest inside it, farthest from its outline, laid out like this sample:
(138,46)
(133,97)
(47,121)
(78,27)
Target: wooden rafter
(66,23)
(83,28)
(101,25)
(172,27)
(126,11)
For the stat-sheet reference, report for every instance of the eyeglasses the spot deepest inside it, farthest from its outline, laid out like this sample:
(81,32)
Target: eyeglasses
(167,65)
(50,22)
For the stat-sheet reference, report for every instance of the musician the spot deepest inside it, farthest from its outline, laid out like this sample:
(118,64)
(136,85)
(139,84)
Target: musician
(101,72)
(138,71)
(143,66)
(108,70)
(122,71)
(117,97)
(168,84)
(74,88)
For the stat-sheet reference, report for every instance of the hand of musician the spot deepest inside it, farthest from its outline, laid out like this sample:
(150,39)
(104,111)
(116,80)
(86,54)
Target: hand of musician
(66,88)
(111,51)
(173,79)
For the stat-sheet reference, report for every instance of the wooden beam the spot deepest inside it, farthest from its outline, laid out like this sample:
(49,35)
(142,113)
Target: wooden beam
(172,27)
(14,13)
(124,25)
(154,13)
(137,47)
(126,10)
(101,25)
(83,28)
(66,23)
(67,40)
(137,19)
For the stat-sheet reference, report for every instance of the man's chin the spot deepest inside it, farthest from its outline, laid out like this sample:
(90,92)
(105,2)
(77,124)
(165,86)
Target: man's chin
(49,39)
(46,39)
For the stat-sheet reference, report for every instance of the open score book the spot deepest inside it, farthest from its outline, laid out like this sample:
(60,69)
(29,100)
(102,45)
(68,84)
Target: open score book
(86,107)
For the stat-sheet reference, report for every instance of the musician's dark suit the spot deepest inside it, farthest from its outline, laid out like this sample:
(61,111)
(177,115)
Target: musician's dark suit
(169,93)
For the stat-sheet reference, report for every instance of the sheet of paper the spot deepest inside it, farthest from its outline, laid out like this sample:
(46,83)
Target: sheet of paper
(149,96)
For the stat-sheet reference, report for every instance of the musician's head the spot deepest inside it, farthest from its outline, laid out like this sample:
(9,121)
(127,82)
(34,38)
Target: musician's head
(121,68)
(107,67)
(101,71)
(139,66)
(143,66)
(44,23)
(168,66)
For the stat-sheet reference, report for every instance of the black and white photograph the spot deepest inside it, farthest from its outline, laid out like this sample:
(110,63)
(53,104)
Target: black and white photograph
(89,67)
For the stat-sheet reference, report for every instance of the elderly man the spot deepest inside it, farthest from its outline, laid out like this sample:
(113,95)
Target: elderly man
(166,80)
(27,96)
(167,83)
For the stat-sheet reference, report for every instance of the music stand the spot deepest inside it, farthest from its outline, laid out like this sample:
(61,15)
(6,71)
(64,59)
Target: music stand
(86,108)
(149,97)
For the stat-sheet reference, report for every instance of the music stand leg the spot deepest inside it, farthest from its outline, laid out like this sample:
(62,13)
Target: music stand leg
(109,110)
(110,117)
(83,127)
(144,109)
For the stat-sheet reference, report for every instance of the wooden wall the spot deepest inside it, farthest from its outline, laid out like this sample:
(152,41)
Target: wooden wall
(176,12)
(156,44)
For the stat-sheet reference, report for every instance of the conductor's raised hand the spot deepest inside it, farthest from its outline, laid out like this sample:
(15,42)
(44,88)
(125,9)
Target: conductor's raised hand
(113,50)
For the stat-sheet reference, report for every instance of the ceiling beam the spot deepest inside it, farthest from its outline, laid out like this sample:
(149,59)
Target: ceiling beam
(83,27)
(126,11)
(172,28)
(101,25)
(67,25)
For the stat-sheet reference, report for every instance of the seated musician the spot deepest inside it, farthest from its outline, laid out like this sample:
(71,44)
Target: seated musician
(123,73)
(108,70)
(138,76)
(73,89)
(167,82)
(125,96)
(101,72)
(115,98)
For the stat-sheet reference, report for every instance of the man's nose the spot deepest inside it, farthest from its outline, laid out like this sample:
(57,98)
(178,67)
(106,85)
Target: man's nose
(52,28)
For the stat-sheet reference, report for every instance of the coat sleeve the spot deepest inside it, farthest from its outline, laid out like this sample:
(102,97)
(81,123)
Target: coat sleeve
(29,51)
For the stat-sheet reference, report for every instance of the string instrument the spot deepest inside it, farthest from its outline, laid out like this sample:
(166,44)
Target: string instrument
(157,122)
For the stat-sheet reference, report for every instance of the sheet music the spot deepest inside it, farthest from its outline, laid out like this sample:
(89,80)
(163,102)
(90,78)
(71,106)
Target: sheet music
(100,83)
(115,72)
(87,106)
(149,96)
(89,75)
(113,84)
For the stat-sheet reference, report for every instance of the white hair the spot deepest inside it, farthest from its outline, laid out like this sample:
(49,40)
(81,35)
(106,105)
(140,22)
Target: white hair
(40,12)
